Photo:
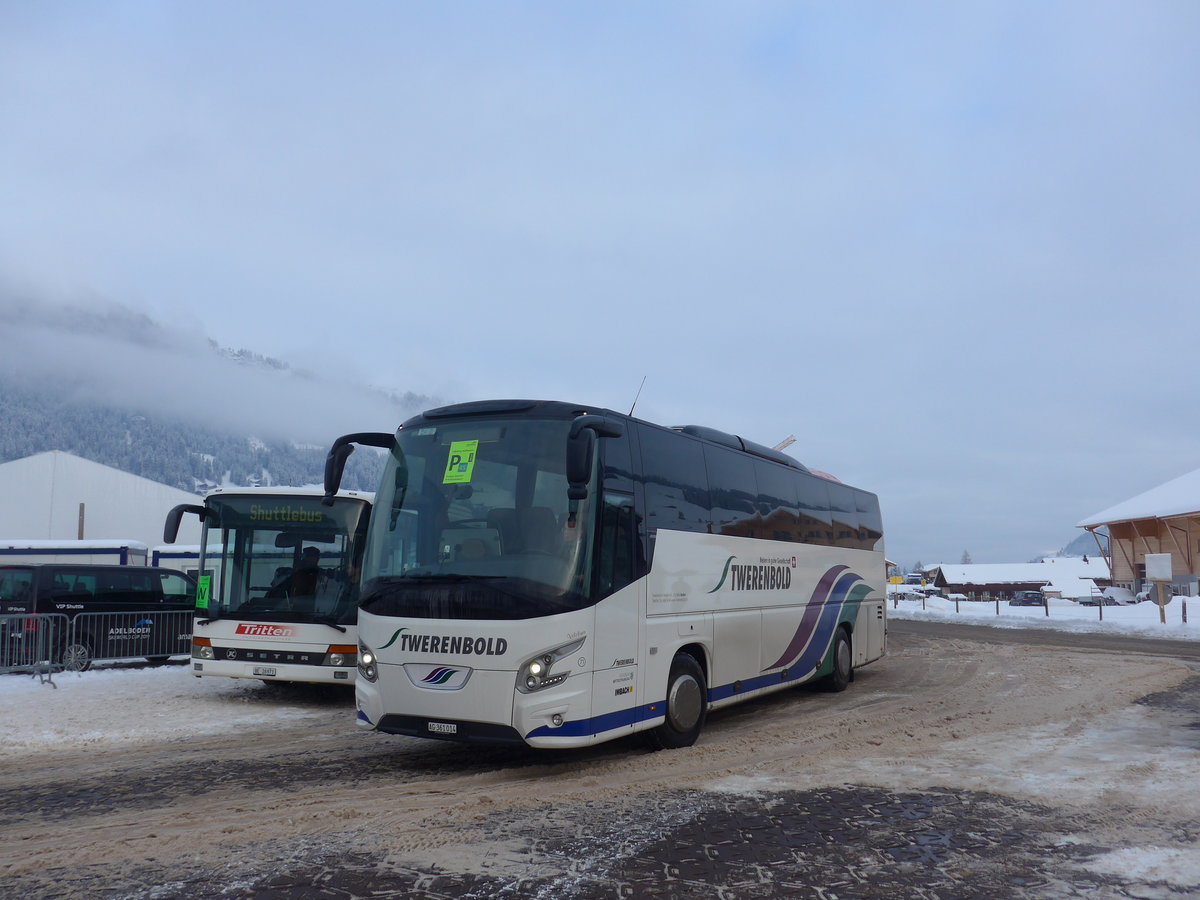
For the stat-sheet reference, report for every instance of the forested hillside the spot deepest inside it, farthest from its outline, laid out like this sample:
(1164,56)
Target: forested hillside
(168,450)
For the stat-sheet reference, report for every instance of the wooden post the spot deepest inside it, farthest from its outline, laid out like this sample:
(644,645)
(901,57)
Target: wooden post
(81,521)
(1158,571)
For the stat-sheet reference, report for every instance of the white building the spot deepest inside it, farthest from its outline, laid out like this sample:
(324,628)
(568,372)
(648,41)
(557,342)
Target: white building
(59,496)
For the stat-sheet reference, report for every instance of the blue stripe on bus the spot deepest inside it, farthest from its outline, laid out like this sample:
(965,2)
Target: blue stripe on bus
(843,603)
(622,718)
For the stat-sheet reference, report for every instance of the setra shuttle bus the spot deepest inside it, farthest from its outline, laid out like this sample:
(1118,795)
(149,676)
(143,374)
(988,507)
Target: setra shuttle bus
(278,583)
(556,575)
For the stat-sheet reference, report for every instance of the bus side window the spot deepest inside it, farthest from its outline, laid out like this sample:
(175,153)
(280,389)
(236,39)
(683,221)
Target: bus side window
(615,566)
(675,482)
(845,515)
(731,483)
(816,520)
(779,515)
(870,522)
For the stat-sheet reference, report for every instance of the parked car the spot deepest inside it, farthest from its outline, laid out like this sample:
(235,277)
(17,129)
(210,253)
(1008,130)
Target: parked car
(1028,598)
(76,614)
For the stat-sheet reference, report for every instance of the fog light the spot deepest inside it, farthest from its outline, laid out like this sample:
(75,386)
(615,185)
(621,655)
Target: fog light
(556,720)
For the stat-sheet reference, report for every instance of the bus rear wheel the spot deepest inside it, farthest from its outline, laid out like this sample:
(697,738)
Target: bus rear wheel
(687,706)
(843,663)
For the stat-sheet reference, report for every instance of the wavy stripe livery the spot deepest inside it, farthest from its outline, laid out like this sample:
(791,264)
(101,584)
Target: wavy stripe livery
(835,599)
(392,640)
(808,622)
(440,675)
(724,575)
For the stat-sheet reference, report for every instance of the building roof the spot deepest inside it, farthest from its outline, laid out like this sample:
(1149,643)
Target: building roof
(1180,497)
(1072,576)
(43,495)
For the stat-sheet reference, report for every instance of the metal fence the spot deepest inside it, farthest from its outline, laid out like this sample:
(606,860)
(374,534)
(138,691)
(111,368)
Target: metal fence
(52,643)
(30,643)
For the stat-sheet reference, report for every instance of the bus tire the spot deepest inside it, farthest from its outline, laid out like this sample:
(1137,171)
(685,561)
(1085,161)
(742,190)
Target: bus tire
(686,706)
(77,656)
(843,663)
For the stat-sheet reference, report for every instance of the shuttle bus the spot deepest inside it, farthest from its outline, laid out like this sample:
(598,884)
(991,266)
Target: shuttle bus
(278,584)
(553,575)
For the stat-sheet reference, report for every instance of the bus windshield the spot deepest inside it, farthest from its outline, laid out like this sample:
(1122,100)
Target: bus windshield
(473,522)
(285,557)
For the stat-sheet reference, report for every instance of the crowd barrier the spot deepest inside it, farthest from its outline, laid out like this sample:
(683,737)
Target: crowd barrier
(55,642)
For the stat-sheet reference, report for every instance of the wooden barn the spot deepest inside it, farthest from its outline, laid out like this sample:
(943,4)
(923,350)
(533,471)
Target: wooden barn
(1165,519)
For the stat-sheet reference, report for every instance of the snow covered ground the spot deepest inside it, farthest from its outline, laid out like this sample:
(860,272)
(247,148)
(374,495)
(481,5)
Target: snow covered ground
(140,703)
(123,705)
(1141,619)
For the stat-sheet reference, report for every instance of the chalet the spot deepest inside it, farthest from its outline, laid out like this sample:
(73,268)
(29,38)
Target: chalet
(1070,577)
(1165,519)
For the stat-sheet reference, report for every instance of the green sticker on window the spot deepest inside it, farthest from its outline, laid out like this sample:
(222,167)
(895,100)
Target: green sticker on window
(461,462)
(202,588)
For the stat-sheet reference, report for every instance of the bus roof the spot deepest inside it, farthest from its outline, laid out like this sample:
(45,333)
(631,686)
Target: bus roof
(557,409)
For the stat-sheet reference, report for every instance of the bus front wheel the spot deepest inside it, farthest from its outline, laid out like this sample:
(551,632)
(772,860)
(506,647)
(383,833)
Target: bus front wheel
(686,706)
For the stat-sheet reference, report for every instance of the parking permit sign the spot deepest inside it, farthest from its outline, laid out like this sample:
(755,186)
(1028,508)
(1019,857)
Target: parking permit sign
(460,462)
(202,588)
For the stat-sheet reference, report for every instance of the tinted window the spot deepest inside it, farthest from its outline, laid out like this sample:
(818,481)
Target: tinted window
(616,560)
(845,515)
(780,519)
(617,462)
(73,584)
(870,522)
(732,489)
(676,481)
(176,588)
(816,521)
(16,590)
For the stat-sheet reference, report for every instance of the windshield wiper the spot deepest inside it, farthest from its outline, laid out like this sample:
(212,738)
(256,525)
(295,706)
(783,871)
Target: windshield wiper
(327,620)
(444,577)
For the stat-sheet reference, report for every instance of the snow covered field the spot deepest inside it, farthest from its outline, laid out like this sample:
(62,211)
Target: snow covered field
(1141,619)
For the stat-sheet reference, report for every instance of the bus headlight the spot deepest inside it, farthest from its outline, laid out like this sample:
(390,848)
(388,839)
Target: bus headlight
(535,674)
(340,655)
(202,648)
(367,666)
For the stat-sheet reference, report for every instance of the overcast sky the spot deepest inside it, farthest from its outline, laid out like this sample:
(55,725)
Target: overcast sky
(952,247)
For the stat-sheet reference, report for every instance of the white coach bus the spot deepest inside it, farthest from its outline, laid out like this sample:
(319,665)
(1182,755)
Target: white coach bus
(556,575)
(278,584)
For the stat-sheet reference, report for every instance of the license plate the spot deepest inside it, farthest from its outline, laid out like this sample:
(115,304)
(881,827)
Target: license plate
(264,670)
(443,727)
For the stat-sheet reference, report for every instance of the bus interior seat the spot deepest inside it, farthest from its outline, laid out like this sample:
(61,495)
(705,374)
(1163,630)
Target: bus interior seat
(540,529)
(504,521)
(534,528)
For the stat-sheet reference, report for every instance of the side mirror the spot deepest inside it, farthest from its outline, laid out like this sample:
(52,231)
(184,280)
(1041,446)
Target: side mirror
(175,516)
(581,441)
(579,464)
(335,460)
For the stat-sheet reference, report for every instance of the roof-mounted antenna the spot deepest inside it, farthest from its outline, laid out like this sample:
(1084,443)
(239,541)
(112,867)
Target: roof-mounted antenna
(638,394)
(785,443)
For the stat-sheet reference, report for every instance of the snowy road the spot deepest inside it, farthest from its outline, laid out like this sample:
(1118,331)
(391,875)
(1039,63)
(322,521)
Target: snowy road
(955,767)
